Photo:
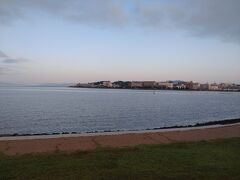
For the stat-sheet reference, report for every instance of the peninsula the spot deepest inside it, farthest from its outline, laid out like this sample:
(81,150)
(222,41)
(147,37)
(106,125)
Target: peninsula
(168,85)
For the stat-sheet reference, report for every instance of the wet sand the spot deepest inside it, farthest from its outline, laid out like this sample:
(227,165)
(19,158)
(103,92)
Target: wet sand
(88,142)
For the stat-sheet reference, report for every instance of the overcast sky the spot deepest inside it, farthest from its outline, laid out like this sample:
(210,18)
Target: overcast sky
(46,41)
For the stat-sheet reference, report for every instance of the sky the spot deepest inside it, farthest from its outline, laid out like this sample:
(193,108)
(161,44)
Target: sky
(59,41)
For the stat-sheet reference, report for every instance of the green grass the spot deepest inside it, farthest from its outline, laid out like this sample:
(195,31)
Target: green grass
(218,159)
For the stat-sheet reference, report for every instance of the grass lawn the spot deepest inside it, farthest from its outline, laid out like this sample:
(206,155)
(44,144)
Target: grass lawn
(219,159)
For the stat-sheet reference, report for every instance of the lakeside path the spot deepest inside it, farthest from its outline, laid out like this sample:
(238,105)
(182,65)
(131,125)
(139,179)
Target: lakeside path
(87,142)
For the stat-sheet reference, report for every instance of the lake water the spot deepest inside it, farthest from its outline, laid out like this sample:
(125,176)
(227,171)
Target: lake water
(53,110)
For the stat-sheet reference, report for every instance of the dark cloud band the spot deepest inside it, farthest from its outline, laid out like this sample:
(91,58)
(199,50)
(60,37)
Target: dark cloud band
(14,61)
(218,18)
(8,60)
(11,61)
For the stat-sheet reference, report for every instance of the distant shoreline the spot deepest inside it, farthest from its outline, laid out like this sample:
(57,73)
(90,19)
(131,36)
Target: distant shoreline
(156,89)
(165,85)
(210,123)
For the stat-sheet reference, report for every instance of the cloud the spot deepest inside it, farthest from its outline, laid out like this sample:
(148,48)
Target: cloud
(14,61)
(9,65)
(2,54)
(92,11)
(217,18)
(8,60)
(4,70)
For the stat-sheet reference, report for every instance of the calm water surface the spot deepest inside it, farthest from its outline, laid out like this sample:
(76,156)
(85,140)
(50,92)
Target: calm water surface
(49,110)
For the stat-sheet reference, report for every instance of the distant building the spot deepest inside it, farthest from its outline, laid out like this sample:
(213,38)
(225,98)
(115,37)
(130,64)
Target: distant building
(102,84)
(238,87)
(136,84)
(213,87)
(234,87)
(116,84)
(164,85)
(180,86)
(189,85)
(193,86)
(204,87)
(226,86)
(142,84)
(196,86)
(149,84)
(107,84)
(121,84)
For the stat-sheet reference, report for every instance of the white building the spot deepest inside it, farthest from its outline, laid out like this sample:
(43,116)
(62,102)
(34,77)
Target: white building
(213,87)
(167,85)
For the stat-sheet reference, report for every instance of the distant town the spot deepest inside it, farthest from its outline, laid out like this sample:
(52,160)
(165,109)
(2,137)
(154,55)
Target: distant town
(167,85)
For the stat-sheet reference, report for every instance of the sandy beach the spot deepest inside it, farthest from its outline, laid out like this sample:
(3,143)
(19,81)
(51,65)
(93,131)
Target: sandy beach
(87,142)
